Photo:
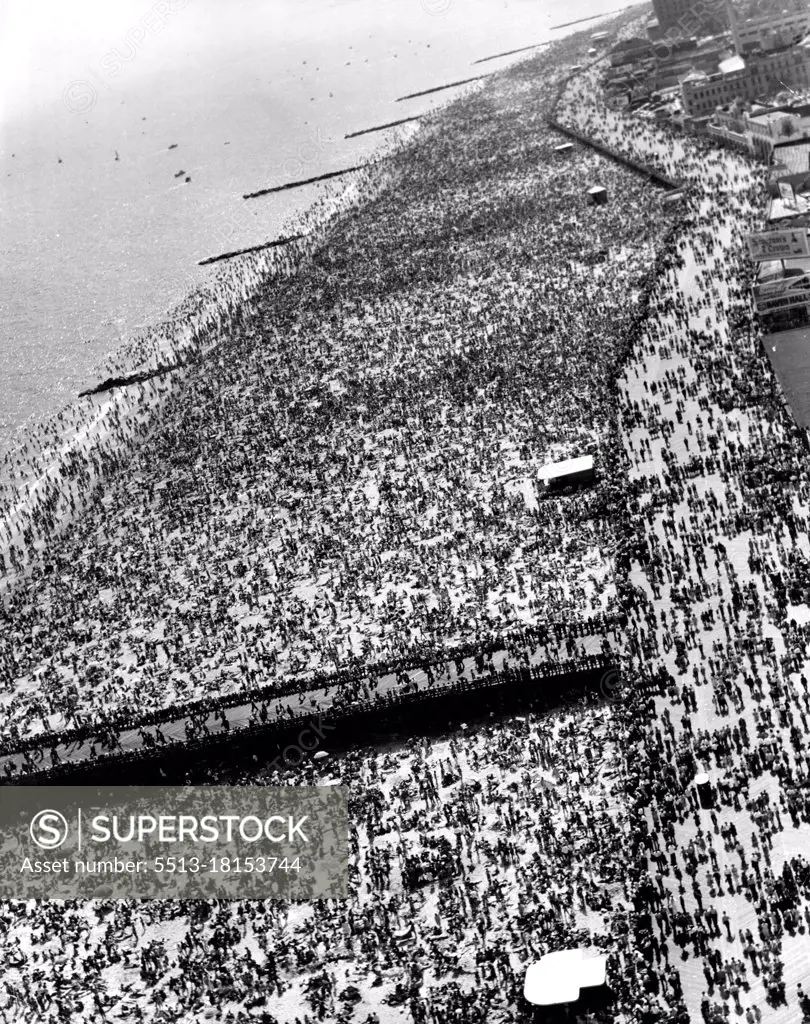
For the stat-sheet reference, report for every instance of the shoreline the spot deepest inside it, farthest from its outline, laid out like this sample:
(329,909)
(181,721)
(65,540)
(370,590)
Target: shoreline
(126,416)
(126,419)
(631,826)
(116,362)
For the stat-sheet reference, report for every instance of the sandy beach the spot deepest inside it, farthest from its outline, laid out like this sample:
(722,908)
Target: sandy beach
(355,468)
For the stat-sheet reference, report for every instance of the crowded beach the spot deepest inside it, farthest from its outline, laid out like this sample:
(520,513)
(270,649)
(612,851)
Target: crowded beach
(353,477)
(314,513)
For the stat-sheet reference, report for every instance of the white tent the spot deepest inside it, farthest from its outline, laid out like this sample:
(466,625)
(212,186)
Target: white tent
(558,977)
(569,471)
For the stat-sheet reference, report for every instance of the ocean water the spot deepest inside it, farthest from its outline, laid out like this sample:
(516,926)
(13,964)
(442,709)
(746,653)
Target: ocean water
(107,109)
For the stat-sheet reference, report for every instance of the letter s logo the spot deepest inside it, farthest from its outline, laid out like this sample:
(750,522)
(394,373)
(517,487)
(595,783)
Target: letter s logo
(49,829)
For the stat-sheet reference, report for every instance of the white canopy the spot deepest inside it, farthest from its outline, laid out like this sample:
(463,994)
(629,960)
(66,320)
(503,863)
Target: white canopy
(568,467)
(557,977)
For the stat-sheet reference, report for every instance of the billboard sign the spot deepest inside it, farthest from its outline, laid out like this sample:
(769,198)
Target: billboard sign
(772,289)
(783,293)
(778,245)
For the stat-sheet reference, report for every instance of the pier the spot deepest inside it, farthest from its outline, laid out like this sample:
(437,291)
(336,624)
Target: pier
(252,248)
(439,88)
(303,181)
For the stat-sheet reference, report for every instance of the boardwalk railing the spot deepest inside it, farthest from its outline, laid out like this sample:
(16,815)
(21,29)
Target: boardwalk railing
(515,677)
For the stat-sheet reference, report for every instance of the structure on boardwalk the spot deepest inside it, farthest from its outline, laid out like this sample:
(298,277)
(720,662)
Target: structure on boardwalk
(782,293)
(568,472)
(558,978)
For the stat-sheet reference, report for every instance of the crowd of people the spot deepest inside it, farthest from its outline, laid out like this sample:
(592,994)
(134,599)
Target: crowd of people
(449,901)
(52,468)
(664,826)
(713,578)
(354,478)
(530,656)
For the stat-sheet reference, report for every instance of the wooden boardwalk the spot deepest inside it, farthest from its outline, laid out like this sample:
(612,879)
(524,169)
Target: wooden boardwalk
(64,749)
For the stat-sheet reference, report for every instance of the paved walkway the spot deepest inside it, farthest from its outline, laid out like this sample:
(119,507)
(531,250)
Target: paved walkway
(719,534)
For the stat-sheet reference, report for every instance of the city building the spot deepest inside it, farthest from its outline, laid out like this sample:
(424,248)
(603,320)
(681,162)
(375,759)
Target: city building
(782,294)
(630,51)
(761,74)
(688,17)
(759,130)
(661,71)
(773,31)
(768,129)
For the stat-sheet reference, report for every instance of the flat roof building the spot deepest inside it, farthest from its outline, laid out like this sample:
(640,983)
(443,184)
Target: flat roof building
(772,31)
(762,73)
(688,17)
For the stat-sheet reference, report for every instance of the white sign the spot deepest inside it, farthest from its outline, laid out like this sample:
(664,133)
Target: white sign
(787,194)
(778,245)
(784,293)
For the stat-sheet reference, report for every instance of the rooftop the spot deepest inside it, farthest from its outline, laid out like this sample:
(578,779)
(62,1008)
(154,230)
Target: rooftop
(735,63)
(568,467)
(693,75)
(772,117)
(780,210)
(558,977)
(794,154)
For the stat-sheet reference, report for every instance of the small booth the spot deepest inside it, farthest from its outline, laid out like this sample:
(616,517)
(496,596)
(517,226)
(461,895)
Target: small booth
(597,196)
(557,980)
(568,473)
(674,199)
